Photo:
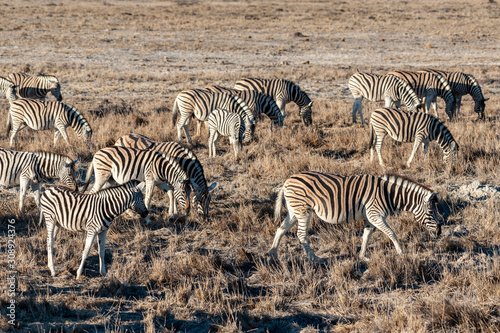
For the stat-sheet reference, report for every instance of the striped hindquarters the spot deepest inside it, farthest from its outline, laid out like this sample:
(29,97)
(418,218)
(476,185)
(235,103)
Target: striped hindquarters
(367,85)
(17,164)
(9,89)
(227,123)
(36,87)
(399,125)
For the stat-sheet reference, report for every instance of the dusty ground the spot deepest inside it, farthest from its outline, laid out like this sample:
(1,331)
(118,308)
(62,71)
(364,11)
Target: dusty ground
(123,63)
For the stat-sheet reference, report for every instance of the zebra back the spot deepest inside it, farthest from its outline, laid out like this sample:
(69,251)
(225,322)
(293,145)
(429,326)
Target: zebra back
(37,86)
(8,88)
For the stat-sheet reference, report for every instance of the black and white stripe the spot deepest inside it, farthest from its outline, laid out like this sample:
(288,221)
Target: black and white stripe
(258,102)
(201,102)
(340,199)
(283,92)
(429,85)
(375,88)
(37,86)
(9,89)
(27,168)
(92,213)
(46,115)
(420,128)
(121,164)
(463,84)
(187,160)
(228,124)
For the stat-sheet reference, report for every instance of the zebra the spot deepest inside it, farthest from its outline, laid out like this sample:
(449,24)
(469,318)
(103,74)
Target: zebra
(201,102)
(228,124)
(429,86)
(463,84)
(258,102)
(339,199)
(375,88)
(407,127)
(31,168)
(9,89)
(40,115)
(37,86)
(92,213)
(121,164)
(188,161)
(283,92)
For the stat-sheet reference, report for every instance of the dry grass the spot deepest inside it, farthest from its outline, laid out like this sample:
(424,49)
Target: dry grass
(122,63)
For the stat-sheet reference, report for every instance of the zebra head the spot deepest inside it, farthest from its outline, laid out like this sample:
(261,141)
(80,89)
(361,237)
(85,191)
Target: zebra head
(450,152)
(182,192)
(202,198)
(427,214)
(87,135)
(137,203)
(305,112)
(67,174)
(479,107)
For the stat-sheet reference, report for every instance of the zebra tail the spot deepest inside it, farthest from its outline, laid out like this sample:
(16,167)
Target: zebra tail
(279,204)
(372,137)
(9,123)
(87,178)
(174,113)
(41,217)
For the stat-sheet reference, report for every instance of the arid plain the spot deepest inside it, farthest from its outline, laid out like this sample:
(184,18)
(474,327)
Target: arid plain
(122,63)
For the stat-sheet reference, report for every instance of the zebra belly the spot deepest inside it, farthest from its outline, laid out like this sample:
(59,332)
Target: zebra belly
(342,217)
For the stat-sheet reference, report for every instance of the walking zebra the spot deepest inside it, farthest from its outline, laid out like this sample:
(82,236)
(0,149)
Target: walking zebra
(188,161)
(377,88)
(283,92)
(258,102)
(228,124)
(339,199)
(36,87)
(429,86)
(201,102)
(92,213)
(26,168)
(463,84)
(9,89)
(408,127)
(121,164)
(45,115)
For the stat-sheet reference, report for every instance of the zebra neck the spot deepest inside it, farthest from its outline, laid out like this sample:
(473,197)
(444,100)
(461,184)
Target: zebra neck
(113,203)
(405,195)
(441,134)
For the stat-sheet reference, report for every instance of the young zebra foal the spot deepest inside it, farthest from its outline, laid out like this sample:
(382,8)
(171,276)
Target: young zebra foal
(340,199)
(228,124)
(92,213)
(407,127)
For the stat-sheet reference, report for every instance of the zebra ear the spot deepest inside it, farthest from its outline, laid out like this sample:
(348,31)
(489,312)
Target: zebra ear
(211,187)
(486,99)
(140,186)
(310,104)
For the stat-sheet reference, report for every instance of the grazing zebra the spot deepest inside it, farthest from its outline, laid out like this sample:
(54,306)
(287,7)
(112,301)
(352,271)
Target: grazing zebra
(338,199)
(26,168)
(429,86)
(188,161)
(283,92)
(201,102)
(36,87)
(9,89)
(258,102)
(409,127)
(463,84)
(121,164)
(377,88)
(45,115)
(92,213)
(228,124)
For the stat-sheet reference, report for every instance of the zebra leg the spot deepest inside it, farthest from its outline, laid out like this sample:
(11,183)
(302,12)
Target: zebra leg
(457,106)
(183,124)
(150,185)
(379,222)
(23,187)
(416,144)
(234,142)
(102,247)
(281,105)
(302,229)
(379,140)
(285,226)
(425,146)
(36,193)
(435,105)
(49,222)
(211,136)
(62,130)
(13,133)
(172,207)
(367,232)
(88,244)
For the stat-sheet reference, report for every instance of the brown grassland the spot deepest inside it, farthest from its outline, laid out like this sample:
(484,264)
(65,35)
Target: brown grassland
(122,63)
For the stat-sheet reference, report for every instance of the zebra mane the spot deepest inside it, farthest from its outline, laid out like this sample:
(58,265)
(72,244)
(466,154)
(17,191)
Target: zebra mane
(403,181)
(472,78)
(47,77)
(173,162)
(72,111)
(443,80)
(128,185)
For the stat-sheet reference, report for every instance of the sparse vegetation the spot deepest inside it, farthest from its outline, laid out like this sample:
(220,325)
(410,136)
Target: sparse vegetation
(121,64)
